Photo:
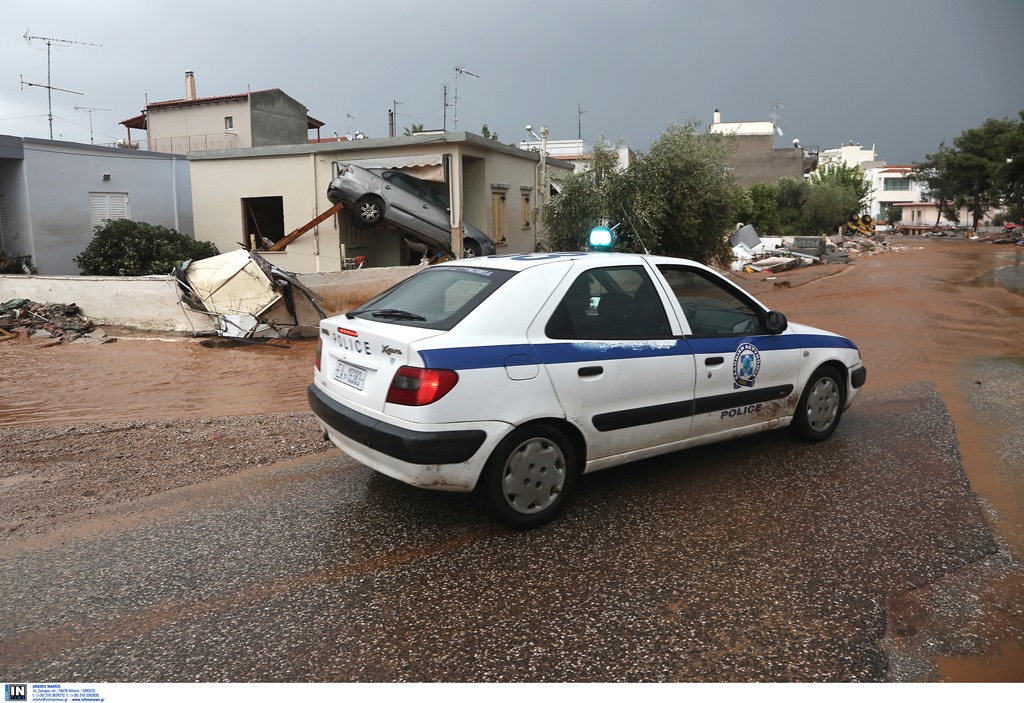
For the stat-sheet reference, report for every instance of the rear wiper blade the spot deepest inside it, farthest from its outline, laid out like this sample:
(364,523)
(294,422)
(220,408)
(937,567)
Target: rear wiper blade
(394,314)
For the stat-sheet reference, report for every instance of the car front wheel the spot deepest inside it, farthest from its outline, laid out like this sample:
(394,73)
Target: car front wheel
(820,407)
(368,211)
(471,248)
(529,476)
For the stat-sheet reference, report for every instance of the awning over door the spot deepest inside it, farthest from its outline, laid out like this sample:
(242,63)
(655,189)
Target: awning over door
(427,167)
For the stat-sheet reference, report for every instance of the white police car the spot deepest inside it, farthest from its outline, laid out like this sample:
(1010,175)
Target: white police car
(512,375)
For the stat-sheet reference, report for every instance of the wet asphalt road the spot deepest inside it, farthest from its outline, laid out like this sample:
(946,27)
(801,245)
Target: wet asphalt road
(762,559)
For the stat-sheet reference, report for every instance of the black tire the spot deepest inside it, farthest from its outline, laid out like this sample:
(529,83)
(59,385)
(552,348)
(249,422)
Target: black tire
(820,407)
(368,211)
(470,248)
(529,476)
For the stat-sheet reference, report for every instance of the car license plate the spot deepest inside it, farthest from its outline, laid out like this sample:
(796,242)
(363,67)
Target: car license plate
(350,375)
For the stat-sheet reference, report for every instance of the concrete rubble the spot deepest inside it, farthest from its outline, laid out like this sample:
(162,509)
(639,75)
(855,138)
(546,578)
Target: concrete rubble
(58,322)
(752,253)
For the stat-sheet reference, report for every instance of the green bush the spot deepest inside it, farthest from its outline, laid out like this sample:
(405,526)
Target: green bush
(126,248)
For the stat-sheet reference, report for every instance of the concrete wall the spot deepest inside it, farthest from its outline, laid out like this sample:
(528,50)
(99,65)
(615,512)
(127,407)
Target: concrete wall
(145,303)
(755,160)
(152,302)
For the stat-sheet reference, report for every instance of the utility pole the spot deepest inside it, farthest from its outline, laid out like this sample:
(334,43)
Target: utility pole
(579,121)
(91,110)
(49,87)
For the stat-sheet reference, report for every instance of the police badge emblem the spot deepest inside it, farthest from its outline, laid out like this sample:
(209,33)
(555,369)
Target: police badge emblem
(745,365)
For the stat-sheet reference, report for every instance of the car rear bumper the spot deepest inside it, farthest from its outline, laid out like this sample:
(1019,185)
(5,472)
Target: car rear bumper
(411,446)
(344,190)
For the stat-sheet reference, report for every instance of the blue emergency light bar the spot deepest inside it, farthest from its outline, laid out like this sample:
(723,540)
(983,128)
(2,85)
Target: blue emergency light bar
(601,238)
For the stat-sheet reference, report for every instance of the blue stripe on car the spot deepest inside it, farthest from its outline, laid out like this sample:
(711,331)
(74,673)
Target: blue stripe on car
(499,355)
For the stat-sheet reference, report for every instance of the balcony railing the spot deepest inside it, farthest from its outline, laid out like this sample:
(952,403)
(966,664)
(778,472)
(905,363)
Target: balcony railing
(182,145)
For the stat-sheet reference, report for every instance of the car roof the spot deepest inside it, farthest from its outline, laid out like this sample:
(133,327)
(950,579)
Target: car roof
(523,261)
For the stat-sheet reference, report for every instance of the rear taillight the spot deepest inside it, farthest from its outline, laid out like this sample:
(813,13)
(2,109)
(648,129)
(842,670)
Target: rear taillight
(416,386)
(319,351)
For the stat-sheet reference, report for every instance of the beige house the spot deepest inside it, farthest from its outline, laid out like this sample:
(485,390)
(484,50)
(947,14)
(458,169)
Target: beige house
(242,120)
(251,197)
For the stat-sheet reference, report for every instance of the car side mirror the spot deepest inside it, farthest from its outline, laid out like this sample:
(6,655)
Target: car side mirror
(777,322)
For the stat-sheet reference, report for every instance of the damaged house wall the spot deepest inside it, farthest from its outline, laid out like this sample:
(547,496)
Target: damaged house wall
(498,184)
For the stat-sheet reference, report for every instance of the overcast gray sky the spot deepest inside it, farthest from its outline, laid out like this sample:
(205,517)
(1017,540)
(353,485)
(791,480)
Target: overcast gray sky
(901,75)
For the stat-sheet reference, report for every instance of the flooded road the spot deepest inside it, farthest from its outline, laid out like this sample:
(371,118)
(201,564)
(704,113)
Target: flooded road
(140,377)
(870,557)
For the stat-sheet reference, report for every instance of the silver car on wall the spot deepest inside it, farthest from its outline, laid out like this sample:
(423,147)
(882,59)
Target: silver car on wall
(405,201)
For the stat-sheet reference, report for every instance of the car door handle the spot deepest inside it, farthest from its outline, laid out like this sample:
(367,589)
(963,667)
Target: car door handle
(714,361)
(586,371)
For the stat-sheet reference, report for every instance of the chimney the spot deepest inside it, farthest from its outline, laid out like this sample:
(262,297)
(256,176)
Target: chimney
(718,117)
(190,85)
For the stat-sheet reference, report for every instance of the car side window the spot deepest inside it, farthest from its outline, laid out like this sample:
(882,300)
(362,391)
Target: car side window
(435,198)
(711,309)
(402,181)
(616,302)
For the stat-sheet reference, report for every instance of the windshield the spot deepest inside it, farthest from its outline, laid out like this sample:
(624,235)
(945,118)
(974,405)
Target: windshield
(436,298)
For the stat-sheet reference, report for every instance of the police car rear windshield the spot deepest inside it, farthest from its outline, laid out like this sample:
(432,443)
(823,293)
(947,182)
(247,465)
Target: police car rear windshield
(436,298)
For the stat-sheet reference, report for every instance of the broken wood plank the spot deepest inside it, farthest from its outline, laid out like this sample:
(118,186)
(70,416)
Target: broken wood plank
(291,237)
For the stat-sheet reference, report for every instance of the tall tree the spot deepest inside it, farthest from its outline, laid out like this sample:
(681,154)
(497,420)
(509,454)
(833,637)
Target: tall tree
(975,163)
(936,181)
(1009,174)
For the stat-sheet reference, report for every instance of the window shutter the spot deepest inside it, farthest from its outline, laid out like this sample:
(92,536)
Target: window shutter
(107,206)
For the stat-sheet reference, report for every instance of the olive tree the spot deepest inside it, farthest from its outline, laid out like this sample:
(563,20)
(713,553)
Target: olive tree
(677,199)
(586,199)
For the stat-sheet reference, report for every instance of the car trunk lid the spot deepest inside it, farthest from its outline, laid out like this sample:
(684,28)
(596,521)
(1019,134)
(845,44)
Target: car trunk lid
(360,357)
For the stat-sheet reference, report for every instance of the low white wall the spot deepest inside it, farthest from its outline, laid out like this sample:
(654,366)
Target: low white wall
(152,303)
(146,303)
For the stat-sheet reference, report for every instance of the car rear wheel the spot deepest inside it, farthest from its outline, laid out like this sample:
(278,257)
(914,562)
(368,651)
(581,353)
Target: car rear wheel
(529,476)
(820,407)
(471,248)
(368,212)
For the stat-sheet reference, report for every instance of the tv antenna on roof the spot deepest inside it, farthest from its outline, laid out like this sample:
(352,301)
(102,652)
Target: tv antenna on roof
(775,116)
(49,88)
(91,110)
(458,70)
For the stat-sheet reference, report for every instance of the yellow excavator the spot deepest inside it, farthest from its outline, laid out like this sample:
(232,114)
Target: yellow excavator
(859,224)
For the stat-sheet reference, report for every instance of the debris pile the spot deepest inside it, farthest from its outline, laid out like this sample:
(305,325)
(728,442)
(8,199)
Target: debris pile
(61,322)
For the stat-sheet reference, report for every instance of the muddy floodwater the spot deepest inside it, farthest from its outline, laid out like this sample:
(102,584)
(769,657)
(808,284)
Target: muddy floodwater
(927,311)
(142,377)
